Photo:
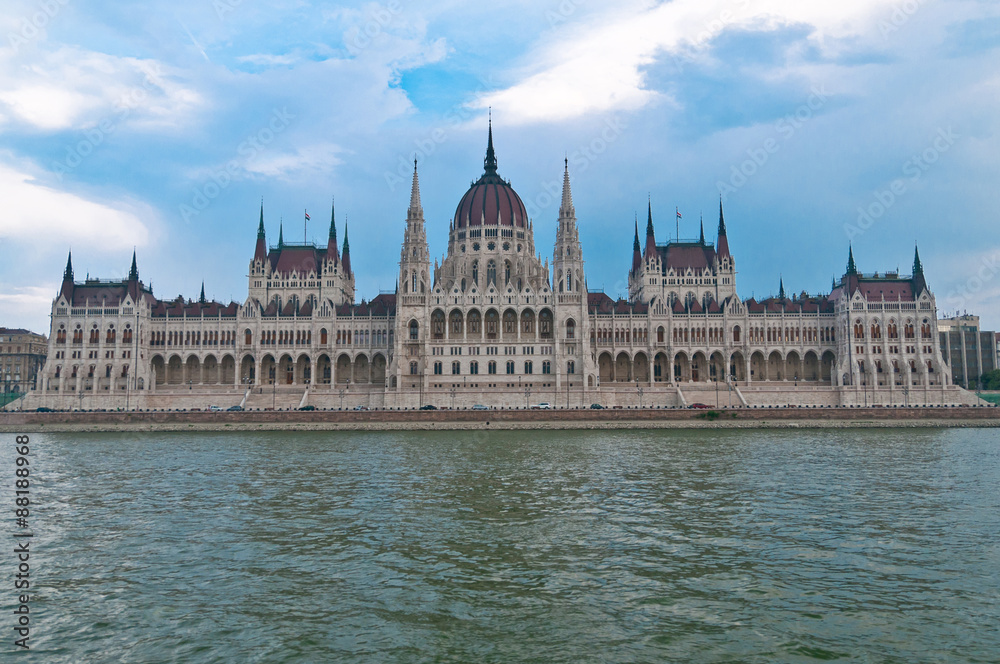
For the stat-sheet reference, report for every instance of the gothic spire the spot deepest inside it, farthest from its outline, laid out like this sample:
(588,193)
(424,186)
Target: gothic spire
(781,288)
(133,273)
(260,226)
(566,210)
(918,267)
(346,254)
(333,222)
(281,235)
(852,269)
(415,207)
(201,298)
(635,244)
(722,245)
(649,217)
(68,274)
(701,240)
(490,163)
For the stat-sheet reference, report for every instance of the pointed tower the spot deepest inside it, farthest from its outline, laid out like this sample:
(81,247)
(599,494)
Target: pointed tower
(636,250)
(67,282)
(851,280)
(332,254)
(919,282)
(281,235)
(569,288)
(345,260)
(567,256)
(650,249)
(701,239)
(781,288)
(260,253)
(201,298)
(133,279)
(414,255)
(260,266)
(852,269)
(722,246)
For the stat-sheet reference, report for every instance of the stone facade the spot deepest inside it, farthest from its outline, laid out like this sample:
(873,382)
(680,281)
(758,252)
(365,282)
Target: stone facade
(493,323)
(22,354)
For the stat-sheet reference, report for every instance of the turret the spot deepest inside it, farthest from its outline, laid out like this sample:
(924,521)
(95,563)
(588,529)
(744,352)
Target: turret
(67,283)
(722,246)
(331,244)
(636,251)
(260,253)
(346,256)
(133,279)
(919,283)
(650,236)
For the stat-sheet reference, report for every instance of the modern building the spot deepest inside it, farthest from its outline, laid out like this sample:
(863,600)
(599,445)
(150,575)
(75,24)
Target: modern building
(22,354)
(492,322)
(969,351)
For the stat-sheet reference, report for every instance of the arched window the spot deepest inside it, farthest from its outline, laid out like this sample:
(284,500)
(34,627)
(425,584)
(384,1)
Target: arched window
(322,336)
(506,272)
(491,272)
(571,329)
(413,368)
(413,288)
(248,337)
(475,272)
(414,330)
(736,334)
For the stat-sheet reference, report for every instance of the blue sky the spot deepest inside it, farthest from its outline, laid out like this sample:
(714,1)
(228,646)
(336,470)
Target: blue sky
(866,121)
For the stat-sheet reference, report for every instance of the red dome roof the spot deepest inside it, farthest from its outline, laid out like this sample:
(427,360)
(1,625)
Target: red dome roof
(491,201)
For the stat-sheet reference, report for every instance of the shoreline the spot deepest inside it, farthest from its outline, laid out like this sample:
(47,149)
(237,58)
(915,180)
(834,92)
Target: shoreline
(501,420)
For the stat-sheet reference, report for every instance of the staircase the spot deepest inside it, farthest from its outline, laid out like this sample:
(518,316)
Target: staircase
(280,397)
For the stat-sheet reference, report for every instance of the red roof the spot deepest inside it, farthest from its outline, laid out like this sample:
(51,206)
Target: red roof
(681,256)
(298,261)
(491,202)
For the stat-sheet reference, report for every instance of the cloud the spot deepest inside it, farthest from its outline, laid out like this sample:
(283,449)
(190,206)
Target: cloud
(599,67)
(27,306)
(34,211)
(71,88)
(315,158)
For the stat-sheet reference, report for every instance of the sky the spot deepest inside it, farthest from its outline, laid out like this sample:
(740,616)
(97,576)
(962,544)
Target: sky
(869,123)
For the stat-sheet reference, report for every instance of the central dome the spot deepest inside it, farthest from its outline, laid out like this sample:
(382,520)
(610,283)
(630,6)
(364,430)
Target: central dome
(491,201)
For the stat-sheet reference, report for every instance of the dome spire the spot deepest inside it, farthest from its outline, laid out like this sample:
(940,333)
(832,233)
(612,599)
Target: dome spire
(490,163)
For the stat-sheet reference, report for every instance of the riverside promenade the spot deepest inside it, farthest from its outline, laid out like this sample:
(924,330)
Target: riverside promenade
(403,420)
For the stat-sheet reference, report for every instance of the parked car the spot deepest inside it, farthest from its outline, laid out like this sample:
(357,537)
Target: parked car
(44,409)
(235,408)
(308,408)
(700,406)
(428,407)
(215,409)
(480,406)
(545,405)
(596,406)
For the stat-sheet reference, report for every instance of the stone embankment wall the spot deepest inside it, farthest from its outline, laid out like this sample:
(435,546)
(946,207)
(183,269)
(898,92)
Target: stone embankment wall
(442,419)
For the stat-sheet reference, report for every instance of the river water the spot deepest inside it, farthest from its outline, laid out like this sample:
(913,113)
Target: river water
(639,546)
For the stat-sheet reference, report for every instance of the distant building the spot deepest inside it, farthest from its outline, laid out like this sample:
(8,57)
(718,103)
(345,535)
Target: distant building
(22,354)
(968,350)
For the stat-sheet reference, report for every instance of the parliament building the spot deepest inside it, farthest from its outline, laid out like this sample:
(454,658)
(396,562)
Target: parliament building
(493,323)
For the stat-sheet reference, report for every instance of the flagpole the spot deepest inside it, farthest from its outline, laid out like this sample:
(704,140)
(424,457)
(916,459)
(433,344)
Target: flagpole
(677,220)
(305,222)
